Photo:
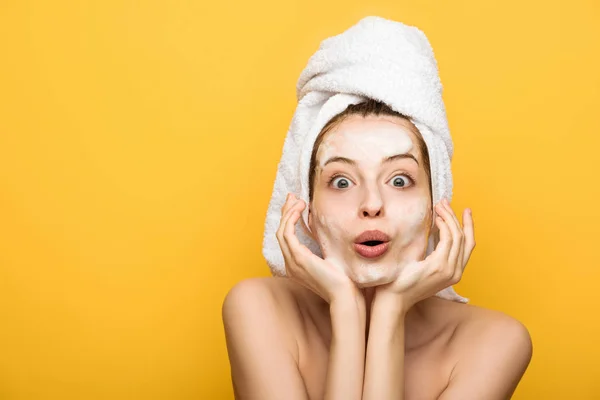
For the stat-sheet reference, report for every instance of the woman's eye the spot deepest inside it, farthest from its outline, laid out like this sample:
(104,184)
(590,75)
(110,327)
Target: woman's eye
(401,181)
(343,182)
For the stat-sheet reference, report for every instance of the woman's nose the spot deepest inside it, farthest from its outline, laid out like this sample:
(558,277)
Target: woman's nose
(372,206)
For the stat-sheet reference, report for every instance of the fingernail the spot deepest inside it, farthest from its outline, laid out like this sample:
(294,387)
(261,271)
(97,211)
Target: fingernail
(287,197)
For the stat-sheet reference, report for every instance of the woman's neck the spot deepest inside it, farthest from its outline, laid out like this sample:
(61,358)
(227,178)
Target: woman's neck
(415,320)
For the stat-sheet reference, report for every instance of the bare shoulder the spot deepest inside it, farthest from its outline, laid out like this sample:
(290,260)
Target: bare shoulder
(276,293)
(491,328)
(273,303)
(262,321)
(492,351)
(260,289)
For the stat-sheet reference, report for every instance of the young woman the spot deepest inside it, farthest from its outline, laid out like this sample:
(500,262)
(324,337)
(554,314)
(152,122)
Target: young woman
(322,333)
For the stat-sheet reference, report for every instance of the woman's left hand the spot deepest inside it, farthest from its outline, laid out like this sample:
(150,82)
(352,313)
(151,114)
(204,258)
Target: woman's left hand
(444,267)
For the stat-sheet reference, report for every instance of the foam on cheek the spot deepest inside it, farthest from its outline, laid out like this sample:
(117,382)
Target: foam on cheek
(411,221)
(327,233)
(418,212)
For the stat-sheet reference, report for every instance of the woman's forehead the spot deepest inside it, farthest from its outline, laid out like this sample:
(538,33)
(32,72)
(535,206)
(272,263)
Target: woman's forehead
(369,137)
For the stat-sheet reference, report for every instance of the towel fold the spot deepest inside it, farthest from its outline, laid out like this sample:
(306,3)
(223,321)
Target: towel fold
(379,59)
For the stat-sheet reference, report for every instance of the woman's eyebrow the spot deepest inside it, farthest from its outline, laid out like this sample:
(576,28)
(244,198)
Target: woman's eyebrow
(383,161)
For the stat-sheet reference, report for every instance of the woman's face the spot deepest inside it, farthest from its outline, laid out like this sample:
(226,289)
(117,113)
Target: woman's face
(364,191)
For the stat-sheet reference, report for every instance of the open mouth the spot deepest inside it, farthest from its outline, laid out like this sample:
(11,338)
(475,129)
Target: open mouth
(371,248)
(372,242)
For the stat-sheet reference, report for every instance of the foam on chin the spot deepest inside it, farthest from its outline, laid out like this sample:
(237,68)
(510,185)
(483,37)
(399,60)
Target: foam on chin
(373,275)
(367,275)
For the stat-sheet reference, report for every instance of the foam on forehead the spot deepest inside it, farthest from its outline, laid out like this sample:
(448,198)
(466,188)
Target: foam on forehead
(356,140)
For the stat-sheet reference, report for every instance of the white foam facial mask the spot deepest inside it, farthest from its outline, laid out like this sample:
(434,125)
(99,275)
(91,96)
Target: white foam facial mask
(388,141)
(370,200)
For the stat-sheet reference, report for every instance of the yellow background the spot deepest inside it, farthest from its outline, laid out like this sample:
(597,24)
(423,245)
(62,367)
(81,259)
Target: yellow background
(138,147)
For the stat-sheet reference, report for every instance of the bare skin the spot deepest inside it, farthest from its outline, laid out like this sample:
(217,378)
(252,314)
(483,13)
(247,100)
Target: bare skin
(290,331)
(349,327)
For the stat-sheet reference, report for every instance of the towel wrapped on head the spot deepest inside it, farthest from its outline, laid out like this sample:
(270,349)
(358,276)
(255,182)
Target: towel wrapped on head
(379,59)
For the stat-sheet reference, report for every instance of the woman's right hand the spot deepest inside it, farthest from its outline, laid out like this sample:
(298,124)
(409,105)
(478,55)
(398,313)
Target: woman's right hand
(326,279)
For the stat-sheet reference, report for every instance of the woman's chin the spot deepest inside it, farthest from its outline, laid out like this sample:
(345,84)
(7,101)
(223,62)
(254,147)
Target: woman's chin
(369,276)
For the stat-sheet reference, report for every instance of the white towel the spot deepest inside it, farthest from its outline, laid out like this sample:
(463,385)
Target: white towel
(376,58)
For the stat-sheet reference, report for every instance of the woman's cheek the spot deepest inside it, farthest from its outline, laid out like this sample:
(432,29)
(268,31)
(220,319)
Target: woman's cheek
(421,215)
(413,221)
(329,233)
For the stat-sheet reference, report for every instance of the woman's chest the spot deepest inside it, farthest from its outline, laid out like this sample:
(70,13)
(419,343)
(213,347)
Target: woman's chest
(426,370)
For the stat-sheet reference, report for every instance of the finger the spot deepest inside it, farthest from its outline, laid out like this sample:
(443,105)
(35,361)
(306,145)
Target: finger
(284,215)
(459,262)
(289,201)
(281,233)
(469,230)
(448,207)
(289,222)
(297,250)
(456,235)
(453,215)
(440,254)
(284,248)
(459,266)
(293,205)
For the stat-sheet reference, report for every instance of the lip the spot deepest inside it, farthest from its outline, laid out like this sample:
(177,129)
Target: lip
(372,235)
(371,251)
